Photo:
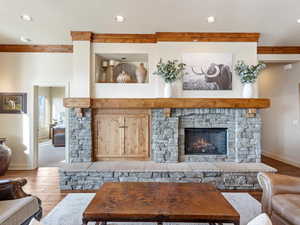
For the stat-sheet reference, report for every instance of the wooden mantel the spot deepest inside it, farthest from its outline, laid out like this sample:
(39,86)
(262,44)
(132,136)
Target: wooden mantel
(163,103)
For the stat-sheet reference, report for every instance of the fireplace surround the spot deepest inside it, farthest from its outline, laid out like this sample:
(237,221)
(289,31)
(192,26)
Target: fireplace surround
(168,134)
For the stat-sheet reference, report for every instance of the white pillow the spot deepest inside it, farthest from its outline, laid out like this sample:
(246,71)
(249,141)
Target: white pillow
(35,222)
(262,219)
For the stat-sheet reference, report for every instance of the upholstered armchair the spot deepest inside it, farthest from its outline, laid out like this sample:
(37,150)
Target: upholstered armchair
(17,207)
(281,198)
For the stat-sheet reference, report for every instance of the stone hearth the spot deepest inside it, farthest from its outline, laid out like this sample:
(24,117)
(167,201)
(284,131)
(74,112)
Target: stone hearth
(225,175)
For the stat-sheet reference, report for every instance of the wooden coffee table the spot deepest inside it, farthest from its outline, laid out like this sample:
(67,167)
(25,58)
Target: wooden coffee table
(159,202)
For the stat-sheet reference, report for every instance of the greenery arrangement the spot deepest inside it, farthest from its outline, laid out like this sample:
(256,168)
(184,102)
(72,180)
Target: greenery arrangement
(170,71)
(248,73)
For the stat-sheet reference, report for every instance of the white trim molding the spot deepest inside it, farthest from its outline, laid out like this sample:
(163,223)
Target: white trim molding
(20,167)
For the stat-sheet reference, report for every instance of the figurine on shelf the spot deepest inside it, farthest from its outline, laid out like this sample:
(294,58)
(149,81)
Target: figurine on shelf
(141,73)
(104,73)
(123,78)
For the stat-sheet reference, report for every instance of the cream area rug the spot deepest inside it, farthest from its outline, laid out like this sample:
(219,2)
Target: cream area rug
(69,210)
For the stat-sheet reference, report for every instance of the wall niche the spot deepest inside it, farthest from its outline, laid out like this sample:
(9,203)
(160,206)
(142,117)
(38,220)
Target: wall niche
(122,68)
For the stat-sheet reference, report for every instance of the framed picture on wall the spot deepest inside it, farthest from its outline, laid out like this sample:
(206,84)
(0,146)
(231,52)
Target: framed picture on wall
(13,103)
(207,71)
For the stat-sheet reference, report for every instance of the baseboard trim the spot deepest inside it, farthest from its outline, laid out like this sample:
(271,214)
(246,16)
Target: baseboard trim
(281,158)
(20,167)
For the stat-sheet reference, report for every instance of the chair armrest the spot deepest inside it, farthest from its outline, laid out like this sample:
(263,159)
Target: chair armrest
(273,184)
(12,189)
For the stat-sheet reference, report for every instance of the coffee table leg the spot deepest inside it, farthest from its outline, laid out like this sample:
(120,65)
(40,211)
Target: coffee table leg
(84,222)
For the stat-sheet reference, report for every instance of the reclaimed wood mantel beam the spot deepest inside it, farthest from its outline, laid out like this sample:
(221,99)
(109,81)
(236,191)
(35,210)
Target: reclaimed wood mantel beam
(163,103)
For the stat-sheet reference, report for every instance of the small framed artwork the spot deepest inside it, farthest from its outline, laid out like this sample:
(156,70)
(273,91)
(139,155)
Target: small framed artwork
(13,103)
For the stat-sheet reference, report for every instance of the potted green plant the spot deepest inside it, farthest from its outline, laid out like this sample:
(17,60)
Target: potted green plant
(248,75)
(170,71)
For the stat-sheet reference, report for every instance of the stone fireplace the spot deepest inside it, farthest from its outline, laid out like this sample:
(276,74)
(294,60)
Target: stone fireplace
(236,135)
(210,145)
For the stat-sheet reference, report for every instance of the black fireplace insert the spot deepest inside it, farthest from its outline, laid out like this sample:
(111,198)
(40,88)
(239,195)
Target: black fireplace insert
(205,141)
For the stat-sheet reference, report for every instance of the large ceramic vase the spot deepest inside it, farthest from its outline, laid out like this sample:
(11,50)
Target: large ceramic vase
(141,73)
(168,90)
(5,156)
(248,90)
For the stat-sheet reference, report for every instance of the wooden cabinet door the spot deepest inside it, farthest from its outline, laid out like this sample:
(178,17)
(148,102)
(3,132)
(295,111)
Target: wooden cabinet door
(109,136)
(136,136)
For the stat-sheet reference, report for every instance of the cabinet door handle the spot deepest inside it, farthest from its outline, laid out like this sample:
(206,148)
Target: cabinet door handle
(123,127)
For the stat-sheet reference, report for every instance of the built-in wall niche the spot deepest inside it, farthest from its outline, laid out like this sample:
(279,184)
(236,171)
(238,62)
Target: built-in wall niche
(122,68)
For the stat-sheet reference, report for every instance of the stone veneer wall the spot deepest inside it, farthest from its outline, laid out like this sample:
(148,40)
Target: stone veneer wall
(243,134)
(80,136)
(89,180)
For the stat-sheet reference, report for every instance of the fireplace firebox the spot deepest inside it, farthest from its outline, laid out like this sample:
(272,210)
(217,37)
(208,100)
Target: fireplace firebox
(205,141)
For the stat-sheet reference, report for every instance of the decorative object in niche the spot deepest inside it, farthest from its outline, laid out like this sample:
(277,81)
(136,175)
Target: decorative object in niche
(123,77)
(248,75)
(5,156)
(169,72)
(141,73)
(128,68)
(207,71)
(13,103)
(108,66)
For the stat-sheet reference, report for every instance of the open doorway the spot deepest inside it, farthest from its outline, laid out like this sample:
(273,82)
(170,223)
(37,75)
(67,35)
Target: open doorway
(51,126)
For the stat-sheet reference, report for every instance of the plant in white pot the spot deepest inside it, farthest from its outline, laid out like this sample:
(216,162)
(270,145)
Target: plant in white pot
(170,71)
(248,75)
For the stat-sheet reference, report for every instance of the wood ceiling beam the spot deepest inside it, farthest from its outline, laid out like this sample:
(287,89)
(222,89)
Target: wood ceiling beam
(174,37)
(81,35)
(278,50)
(207,37)
(37,48)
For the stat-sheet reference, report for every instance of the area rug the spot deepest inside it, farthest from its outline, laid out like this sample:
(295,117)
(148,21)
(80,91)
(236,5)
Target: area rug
(69,210)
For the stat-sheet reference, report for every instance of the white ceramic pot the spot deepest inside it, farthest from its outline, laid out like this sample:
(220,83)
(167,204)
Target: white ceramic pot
(248,90)
(168,90)
(141,73)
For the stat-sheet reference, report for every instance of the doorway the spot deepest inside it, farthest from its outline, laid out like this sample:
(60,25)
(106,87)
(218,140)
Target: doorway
(51,134)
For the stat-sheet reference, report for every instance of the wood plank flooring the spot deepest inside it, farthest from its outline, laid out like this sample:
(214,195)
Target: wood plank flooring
(44,182)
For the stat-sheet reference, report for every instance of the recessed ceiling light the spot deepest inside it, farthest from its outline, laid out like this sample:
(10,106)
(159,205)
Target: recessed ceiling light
(211,19)
(25,39)
(119,19)
(26,17)
(298,20)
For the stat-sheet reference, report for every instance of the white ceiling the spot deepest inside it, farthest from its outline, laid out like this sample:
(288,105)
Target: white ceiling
(54,19)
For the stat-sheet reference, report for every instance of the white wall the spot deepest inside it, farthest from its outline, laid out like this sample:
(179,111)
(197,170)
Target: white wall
(19,72)
(281,129)
(57,96)
(170,50)
(44,126)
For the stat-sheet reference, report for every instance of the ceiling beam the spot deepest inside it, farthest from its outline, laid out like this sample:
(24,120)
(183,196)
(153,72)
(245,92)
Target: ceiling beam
(278,50)
(164,37)
(37,48)
(207,37)
(81,35)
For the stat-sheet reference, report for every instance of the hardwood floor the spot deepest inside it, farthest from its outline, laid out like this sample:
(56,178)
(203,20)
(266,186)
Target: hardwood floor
(44,182)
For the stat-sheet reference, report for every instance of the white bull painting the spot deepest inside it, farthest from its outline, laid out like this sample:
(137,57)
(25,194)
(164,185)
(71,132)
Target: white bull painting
(207,71)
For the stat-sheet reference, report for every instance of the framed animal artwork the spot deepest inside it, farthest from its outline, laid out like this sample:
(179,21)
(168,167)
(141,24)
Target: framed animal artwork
(207,71)
(13,103)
